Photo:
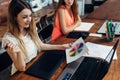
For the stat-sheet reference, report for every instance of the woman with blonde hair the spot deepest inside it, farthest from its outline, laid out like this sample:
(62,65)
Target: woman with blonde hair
(21,41)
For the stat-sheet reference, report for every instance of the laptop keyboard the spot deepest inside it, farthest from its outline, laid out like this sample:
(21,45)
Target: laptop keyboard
(85,69)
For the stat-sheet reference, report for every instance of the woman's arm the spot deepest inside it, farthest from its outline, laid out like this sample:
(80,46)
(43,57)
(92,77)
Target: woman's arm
(16,55)
(64,28)
(78,21)
(55,47)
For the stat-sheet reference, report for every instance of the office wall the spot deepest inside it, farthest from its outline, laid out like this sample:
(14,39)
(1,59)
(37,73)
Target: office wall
(3,10)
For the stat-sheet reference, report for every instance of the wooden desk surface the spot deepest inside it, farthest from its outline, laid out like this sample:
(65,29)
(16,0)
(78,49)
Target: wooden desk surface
(113,73)
(109,10)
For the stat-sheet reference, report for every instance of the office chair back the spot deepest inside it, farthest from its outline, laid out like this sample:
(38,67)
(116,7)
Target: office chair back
(43,21)
(5,61)
(45,33)
(38,25)
(50,17)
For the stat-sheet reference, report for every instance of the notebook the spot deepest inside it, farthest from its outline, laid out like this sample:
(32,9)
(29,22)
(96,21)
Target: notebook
(88,68)
(77,34)
(47,64)
(117,28)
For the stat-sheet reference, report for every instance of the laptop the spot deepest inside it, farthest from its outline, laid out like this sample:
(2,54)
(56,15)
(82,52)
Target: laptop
(47,64)
(88,68)
(103,27)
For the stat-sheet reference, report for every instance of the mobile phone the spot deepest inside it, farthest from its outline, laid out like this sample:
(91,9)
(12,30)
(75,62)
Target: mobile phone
(6,47)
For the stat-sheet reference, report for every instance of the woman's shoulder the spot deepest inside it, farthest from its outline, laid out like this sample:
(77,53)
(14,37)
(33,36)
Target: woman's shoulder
(9,37)
(62,6)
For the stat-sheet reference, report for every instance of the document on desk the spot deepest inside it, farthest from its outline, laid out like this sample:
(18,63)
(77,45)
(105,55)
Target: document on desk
(85,26)
(98,50)
(77,50)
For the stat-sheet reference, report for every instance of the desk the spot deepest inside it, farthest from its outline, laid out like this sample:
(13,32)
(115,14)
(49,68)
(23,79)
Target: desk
(113,73)
(109,10)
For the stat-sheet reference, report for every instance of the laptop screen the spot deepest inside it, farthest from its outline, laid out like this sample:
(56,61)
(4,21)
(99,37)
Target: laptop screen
(112,52)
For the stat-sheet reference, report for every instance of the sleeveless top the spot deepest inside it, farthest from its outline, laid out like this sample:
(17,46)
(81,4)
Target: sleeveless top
(29,44)
(69,20)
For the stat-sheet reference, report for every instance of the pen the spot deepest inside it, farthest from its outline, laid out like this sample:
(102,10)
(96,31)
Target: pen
(113,30)
(107,29)
(6,47)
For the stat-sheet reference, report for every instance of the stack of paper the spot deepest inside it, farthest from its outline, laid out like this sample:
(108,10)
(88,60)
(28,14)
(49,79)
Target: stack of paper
(84,26)
(98,50)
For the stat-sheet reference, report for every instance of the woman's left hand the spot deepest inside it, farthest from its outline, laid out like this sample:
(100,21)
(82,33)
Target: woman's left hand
(66,46)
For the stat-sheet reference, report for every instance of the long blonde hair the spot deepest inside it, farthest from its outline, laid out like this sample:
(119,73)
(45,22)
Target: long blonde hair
(15,7)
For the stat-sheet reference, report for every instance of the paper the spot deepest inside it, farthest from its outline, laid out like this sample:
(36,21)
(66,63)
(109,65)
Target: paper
(98,50)
(95,35)
(76,51)
(84,26)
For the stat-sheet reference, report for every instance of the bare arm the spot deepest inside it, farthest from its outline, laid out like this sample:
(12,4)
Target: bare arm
(64,28)
(44,46)
(55,47)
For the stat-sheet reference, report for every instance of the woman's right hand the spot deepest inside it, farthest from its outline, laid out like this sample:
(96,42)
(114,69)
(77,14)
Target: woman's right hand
(66,46)
(10,47)
(78,22)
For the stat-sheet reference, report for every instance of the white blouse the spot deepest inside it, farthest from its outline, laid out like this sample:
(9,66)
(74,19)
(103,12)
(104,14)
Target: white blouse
(29,44)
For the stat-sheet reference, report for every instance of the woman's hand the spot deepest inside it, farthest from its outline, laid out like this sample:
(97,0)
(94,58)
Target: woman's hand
(77,23)
(66,46)
(12,48)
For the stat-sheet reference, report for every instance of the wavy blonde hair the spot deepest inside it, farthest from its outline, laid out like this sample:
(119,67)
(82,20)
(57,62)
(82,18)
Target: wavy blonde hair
(15,7)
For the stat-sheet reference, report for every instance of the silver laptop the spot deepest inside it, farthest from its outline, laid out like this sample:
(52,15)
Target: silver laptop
(88,68)
(117,28)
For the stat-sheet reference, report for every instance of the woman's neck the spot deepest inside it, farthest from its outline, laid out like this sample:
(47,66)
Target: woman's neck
(23,31)
(68,7)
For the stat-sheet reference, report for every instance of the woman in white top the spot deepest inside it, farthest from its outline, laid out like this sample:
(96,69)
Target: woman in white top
(22,41)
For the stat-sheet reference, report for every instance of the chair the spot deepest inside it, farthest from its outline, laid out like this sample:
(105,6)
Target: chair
(38,25)
(50,17)
(5,61)
(42,21)
(45,33)
(5,64)
(98,2)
